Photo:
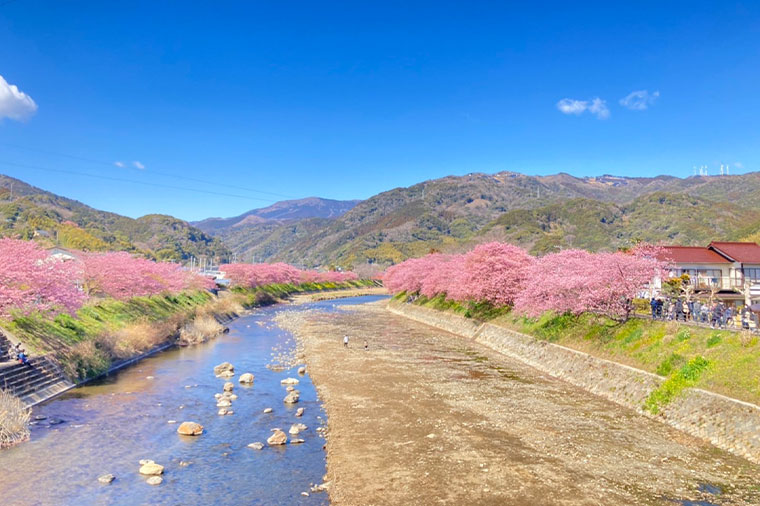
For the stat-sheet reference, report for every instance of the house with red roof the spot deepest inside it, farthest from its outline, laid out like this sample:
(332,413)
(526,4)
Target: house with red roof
(728,269)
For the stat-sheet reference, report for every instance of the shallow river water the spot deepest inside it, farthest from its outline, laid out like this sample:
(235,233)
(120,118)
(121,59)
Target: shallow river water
(109,425)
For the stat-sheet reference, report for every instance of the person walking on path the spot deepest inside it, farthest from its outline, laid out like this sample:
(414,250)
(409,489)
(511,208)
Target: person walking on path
(345,341)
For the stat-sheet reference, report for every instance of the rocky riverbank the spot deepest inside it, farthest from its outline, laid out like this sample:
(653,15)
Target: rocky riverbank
(422,416)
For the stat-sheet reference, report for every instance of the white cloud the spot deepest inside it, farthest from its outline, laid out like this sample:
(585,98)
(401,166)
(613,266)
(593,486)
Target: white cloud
(138,165)
(639,100)
(119,164)
(599,108)
(571,106)
(595,106)
(14,103)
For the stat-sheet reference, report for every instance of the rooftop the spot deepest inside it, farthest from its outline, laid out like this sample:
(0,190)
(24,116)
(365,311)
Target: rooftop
(744,252)
(692,255)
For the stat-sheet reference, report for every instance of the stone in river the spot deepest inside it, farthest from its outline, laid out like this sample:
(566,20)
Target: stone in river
(246,378)
(154,480)
(106,478)
(296,428)
(278,438)
(224,368)
(40,417)
(296,441)
(150,468)
(256,446)
(228,386)
(190,429)
(302,370)
(291,398)
(232,397)
(223,403)
(268,410)
(289,381)
(299,412)
(290,388)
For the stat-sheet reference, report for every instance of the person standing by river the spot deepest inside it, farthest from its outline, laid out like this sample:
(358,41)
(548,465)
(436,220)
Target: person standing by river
(345,341)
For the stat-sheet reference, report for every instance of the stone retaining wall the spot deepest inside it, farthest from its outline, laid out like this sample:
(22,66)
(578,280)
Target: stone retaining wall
(727,423)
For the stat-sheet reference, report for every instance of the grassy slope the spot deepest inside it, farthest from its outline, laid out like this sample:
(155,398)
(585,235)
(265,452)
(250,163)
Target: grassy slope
(669,349)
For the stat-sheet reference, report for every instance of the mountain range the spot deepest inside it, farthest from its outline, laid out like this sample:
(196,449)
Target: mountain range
(450,214)
(541,213)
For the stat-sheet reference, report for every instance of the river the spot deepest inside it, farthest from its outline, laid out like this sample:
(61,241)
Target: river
(109,425)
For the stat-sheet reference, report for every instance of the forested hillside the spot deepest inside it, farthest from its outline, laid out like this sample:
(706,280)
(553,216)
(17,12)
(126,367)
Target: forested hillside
(541,213)
(27,212)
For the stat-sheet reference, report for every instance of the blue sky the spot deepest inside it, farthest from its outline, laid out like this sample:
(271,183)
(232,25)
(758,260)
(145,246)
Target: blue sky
(344,100)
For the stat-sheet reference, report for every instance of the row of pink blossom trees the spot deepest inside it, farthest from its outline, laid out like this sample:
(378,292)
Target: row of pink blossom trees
(570,281)
(253,275)
(32,279)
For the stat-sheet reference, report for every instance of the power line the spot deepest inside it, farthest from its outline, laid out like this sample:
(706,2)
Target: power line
(151,171)
(124,180)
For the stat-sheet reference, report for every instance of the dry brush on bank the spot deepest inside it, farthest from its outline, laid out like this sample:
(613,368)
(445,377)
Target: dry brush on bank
(14,420)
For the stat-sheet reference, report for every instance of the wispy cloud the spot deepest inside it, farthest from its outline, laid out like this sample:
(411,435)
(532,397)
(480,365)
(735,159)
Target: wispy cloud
(119,164)
(138,165)
(595,106)
(14,103)
(639,100)
(570,106)
(599,108)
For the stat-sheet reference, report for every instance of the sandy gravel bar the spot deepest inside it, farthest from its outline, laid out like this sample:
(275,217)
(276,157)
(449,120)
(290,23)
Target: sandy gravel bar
(426,417)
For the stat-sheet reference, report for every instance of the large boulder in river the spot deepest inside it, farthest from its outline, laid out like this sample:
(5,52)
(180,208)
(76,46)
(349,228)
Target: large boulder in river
(150,468)
(289,381)
(190,429)
(224,369)
(291,398)
(229,386)
(246,378)
(277,438)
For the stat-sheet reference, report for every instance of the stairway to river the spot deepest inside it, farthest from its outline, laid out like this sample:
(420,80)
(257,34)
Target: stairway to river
(34,382)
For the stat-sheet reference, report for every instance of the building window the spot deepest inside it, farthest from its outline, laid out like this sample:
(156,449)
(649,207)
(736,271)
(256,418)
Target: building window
(752,275)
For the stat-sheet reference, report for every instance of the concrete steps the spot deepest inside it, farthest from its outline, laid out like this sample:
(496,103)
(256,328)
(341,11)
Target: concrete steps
(24,381)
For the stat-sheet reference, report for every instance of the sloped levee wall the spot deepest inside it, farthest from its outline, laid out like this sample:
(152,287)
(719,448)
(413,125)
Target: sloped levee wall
(727,423)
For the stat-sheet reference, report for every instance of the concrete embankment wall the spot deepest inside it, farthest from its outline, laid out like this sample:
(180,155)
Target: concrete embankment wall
(727,423)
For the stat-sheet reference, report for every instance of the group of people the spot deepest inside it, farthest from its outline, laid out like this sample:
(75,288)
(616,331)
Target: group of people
(717,314)
(18,353)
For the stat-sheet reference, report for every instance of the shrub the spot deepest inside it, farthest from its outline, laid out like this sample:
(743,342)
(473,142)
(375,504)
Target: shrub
(200,330)
(14,420)
(684,377)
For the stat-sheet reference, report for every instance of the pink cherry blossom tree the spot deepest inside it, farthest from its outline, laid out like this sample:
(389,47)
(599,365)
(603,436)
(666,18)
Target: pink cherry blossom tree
(121,276)
(30,279)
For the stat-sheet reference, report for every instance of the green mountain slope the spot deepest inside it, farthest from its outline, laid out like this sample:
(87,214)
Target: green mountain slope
(542,213)
(31,213)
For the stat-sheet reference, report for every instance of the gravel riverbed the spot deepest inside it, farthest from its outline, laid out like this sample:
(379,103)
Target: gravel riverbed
(425,417)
